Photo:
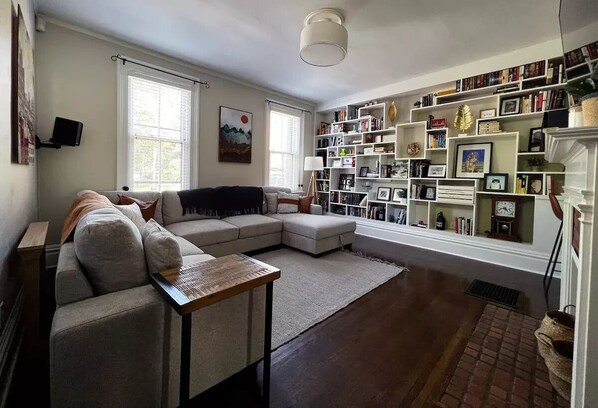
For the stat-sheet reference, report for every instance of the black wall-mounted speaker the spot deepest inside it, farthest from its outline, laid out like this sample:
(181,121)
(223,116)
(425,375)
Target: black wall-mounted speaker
(67,132)
(558,118)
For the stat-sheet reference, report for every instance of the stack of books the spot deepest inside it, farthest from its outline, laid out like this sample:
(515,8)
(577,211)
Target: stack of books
(579,55)
(418,168)
(463,226)
(491,126)
(377,213)
(340,115)
(521,184)
(543,101)
(427,100)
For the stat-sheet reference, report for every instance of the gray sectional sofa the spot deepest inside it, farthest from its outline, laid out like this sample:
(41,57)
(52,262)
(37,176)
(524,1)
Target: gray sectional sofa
(123,348)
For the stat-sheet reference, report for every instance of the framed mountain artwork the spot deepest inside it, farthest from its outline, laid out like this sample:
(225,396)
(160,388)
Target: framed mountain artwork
(23,93)
(235,136)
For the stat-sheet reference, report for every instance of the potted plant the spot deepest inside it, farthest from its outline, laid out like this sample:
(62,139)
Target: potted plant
(536,163)
(587,91)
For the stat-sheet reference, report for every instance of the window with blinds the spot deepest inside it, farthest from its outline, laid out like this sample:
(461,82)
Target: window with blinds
(159,134)
(285,138)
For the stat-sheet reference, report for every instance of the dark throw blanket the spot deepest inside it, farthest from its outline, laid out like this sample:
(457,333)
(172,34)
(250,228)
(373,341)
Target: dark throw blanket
(222,201)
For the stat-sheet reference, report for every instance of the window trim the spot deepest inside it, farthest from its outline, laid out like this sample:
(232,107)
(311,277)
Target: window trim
(270,106)
(122,117)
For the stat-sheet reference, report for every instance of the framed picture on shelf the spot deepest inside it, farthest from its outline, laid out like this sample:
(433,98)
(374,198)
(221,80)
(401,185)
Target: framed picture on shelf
(437,170)
(497,182)
(383,194)
(536,140)
(399,170)
(337,163)
(487,113)
(473,160)
(399,195)
(345,181)
(430,193)
(510,106)
(363,171)
(535,183)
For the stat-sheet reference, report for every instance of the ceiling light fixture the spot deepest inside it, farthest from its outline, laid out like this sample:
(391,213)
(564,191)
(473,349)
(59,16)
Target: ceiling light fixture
(323,39)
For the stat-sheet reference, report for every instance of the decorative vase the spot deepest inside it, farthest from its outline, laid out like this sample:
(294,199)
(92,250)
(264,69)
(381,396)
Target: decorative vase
(589,106)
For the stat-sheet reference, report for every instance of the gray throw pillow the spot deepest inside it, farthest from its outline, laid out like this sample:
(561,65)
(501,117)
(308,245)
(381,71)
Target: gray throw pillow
(162,251)
(271,202)
(108,245)
(287,203)
(132,212)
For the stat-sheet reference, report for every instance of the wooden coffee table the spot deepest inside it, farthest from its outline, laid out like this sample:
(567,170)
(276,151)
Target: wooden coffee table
(193,287)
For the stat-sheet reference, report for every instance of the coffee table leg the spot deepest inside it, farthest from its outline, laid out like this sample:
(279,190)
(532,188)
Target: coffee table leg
(185,360)
(267,346)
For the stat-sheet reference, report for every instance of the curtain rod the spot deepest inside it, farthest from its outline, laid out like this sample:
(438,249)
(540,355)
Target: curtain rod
(125,60)
(288,106)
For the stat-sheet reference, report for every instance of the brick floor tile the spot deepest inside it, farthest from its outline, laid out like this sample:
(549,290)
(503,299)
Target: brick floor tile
(474,346)
(450,402)
(466,366)
(472,401)
(498,392)
(509,346)
(517,401)
(487,359)
(541,402)
(543,384)
(541,392)
(495,402)
(454,391)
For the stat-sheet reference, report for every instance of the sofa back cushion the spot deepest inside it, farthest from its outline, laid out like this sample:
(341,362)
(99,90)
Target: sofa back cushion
(162,250)
(109,247)
(139,195)
(172,210)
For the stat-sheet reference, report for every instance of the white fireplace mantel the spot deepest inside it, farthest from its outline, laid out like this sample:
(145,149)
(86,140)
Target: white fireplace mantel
(577,149)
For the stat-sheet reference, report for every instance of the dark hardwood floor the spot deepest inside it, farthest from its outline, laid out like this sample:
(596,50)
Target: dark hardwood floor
(396,346)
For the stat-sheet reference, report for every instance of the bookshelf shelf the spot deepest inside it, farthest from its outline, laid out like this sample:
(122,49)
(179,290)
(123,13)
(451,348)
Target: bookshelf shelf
(460,201)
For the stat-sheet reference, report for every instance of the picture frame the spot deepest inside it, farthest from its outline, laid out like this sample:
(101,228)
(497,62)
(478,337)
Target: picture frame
(363,171)
(346,181)
(383,194)
(535,184)
(436,171)
(496,182)
(487,113)
(399,195)
(510,106)
(399,170)
(430,193)
(536,140)
(473,160)
(235,135)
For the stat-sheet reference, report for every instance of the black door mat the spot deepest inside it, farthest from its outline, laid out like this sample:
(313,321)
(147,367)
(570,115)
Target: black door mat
(494,293)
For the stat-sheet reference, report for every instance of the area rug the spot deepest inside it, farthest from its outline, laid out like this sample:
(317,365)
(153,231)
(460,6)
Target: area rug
(501,366)
(312,289)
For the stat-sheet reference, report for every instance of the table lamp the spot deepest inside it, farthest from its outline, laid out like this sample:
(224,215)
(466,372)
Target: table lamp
(313,163)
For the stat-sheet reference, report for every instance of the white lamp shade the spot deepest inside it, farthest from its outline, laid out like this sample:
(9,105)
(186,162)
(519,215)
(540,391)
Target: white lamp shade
(313,163)
(324,42)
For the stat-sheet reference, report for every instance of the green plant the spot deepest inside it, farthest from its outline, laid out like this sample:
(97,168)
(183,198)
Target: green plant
(536,161)
(585,86)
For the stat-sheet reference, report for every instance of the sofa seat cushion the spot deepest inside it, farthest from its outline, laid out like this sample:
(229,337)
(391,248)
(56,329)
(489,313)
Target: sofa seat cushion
(315,226)
(193,259)
(204,232)
(187,248)
(253,225)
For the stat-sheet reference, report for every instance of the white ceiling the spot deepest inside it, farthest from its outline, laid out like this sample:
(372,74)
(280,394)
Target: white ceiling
(258,40)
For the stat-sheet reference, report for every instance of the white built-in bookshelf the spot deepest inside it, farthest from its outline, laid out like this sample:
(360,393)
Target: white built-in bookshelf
(364,138)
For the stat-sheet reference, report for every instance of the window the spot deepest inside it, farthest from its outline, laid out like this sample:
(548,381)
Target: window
(157,148)
(285,130)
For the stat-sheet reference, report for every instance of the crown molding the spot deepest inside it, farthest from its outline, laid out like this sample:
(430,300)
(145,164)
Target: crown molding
(200,69)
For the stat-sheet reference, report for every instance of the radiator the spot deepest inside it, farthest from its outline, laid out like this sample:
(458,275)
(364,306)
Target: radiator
(10,344)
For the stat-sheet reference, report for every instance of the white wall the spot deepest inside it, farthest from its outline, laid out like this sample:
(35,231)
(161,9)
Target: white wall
(18,183)
(77,80)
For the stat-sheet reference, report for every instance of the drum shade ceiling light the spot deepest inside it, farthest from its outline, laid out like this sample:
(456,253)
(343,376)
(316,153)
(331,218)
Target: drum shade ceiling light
(323,39)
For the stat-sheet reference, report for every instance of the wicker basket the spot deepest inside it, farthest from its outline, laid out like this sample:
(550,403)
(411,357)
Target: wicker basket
(558,325)
(589,106)
(561,386)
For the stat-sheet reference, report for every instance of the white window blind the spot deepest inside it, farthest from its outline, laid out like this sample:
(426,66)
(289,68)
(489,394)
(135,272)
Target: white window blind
(285,155)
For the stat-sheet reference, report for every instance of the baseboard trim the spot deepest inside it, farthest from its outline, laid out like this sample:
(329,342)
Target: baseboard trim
(52,252)
(10,344)
(480,249)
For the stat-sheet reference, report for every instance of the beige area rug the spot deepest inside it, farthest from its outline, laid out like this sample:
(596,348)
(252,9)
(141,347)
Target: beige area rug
(313,289)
